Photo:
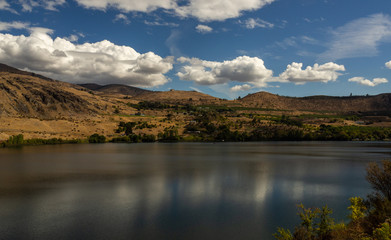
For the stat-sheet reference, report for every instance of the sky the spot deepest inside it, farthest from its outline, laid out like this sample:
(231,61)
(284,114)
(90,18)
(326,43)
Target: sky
(225,48)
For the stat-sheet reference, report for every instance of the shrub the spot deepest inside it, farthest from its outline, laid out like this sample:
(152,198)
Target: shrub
(96,138)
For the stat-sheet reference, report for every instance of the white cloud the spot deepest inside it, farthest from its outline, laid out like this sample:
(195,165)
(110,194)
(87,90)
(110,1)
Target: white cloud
(5,26)
(72,38)
(172,42)
(129,5)
(369,83)
(5,6)
(203,28)
(238,88)
(252,23)
(101,62)
(195,89)
(219,10)
(359,38)
(388,64)
(122,17)
(52,5)
(318,73)
(157,23)
(242,69)
(28,5)
(204,10)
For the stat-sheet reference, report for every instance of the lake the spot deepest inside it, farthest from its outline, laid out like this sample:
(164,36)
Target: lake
(176,190)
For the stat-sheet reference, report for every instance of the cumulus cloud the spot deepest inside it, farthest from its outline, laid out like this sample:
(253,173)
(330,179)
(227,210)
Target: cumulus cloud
(5,26)
(388,64)
(252,23)
(101,62)
(367,82)
(359,38)
(203,28)
(238,88)
(318,73)
(244,69)
(122,17)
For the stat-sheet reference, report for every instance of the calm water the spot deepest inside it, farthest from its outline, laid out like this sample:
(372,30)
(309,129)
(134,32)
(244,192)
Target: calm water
(176,191)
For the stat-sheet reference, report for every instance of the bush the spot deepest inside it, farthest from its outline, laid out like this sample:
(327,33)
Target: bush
(96,138)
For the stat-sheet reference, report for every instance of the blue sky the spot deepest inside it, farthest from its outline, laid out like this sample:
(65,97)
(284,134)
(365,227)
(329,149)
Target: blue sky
(226,48)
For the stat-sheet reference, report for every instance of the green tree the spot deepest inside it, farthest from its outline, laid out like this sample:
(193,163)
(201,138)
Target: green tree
(357,208)
(15,140)
(283,234)
(326,223)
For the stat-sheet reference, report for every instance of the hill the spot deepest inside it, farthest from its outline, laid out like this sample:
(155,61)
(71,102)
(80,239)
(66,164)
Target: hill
(171,97)
(25,95)
(179,97)
(378,103)
(115,89)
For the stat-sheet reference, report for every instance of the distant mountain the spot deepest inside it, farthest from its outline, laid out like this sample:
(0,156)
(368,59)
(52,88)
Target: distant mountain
(113,89)
(179,97)
(377,103)
(172,96)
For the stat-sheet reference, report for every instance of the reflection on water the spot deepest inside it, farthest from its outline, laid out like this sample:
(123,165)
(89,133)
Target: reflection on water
(175,191)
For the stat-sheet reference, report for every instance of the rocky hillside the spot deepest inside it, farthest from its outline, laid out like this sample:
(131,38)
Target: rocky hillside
(378,103)
(24,94)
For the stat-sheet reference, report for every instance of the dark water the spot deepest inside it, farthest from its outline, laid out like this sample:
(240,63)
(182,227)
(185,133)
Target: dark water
(176,191)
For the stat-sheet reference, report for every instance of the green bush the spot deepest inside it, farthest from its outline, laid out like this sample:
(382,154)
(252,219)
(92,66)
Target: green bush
(96,138)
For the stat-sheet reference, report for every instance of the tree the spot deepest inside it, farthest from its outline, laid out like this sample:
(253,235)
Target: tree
(380,178)
(379,202)
(15,140)
(358,209)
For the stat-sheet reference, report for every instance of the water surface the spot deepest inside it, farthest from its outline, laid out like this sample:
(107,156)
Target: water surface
(176,191)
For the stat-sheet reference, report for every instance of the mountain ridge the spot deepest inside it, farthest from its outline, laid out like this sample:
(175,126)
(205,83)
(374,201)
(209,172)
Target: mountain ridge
(115,89)
(46,94)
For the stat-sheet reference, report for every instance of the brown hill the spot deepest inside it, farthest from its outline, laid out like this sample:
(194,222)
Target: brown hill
(179,97)
(115,89)
(24,94)
(378,103)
